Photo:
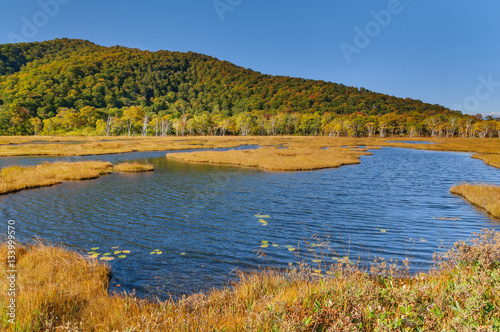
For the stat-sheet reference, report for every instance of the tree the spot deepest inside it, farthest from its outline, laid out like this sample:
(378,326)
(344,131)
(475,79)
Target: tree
(36,124)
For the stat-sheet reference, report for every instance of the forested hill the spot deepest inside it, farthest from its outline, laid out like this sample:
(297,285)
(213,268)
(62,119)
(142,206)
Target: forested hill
(67,86)
(64,73)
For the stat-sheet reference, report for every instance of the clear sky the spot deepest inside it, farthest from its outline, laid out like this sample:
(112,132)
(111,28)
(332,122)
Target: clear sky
(444,52)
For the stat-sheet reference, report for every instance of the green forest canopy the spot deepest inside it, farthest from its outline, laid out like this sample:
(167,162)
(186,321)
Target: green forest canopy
(74,86)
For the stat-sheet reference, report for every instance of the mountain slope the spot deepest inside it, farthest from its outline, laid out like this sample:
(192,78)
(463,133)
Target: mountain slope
(48,76)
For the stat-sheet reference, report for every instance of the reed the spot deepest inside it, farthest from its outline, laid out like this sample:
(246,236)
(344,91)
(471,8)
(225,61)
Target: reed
(293,157)
(485,149)
(15,178)
(134,167)
(61,290)
(484,196)
(489,159)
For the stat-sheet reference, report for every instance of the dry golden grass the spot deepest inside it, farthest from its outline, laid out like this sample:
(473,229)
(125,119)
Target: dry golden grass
(54,286)
(305,154)
(15,178)
(484,196)
(134,167)
(489,159)
(58,146)
(61,290)
(296,157)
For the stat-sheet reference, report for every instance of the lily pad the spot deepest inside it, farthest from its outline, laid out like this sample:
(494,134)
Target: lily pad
(106,254)
(264,246)
(122,256)
(317,261)
(265,242)
(117,252)
(263,222)
(383,230)
(291,249)
(95,248)
(263,216)
(126,251)
(275,245)
(183,253)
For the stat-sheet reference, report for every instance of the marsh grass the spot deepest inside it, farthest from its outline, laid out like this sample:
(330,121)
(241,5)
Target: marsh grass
(15,178)
(295,157)
(134,167)
(484,196)
(61,290)
(489,159)
(303,160)
(58,146)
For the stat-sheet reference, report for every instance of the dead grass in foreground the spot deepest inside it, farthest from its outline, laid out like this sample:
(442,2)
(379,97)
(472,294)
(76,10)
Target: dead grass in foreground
(292,157)
(15,178)
(484,196)
(134,167)
(61,290)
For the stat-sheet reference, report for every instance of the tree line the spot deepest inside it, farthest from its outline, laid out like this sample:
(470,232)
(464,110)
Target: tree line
(136,121)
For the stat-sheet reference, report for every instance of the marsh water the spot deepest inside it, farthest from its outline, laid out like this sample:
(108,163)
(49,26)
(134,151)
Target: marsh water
(202,218)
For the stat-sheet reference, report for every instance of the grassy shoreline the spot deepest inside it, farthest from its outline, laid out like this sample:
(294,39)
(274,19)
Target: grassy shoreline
(292,157)
(17,178)
(484,149)
(483,196)
(60,289)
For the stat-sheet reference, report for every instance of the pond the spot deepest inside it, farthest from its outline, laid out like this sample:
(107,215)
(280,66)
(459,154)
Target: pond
(202,218)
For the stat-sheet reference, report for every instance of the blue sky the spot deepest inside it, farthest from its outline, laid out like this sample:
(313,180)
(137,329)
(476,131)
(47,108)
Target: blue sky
(444,52)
